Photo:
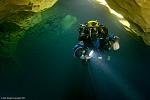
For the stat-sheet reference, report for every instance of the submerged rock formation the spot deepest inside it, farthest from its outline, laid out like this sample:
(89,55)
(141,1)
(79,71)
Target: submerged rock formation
(137,12)
(32,5)
(68,21)
(16,16)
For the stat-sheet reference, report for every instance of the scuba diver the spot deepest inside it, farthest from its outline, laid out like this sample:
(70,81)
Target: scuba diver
(93,36)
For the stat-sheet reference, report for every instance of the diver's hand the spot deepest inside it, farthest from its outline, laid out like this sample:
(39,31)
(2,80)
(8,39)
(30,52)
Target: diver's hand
(86,57)
(116,45)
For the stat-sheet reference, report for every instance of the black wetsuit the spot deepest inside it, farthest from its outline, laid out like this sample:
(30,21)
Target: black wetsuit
(84,35)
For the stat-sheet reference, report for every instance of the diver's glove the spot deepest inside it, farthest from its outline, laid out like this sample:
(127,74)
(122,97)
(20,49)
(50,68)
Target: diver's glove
(85,56)
(81,51)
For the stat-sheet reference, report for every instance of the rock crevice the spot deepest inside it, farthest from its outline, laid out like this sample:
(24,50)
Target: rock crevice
(135,11)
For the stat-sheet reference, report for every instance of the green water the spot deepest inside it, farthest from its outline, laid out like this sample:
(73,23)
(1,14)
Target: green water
(45,68)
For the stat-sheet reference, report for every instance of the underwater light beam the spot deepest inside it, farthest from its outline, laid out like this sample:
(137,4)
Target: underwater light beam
(119,81)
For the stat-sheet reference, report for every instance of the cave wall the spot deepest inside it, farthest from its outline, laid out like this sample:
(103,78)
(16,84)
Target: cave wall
(33,5)
(137,12)
(8,7)
(16,16)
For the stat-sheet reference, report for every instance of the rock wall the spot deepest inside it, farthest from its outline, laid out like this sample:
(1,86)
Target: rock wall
(33,5)
(137,12)
(16,16)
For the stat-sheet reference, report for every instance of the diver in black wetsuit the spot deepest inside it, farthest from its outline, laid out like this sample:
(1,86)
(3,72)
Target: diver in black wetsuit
(94,35)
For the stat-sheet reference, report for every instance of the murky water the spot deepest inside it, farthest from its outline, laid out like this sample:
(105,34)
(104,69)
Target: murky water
(46,69)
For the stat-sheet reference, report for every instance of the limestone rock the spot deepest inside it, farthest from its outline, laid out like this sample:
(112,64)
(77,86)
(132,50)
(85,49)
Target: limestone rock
(17,16)
(33,5)
(137,12)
